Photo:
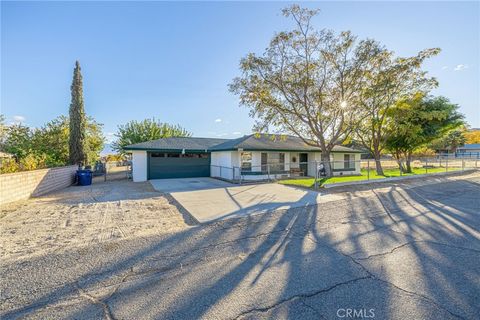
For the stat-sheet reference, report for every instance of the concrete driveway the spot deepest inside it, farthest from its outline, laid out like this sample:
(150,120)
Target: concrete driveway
(210,199)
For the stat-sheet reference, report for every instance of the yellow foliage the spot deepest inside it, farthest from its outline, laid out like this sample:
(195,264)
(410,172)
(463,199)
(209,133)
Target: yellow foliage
(472,136)
(8,165)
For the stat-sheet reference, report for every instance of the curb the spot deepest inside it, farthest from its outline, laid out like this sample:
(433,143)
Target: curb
(385,180)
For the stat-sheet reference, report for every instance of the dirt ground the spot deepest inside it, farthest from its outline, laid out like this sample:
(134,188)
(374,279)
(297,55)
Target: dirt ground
(78,216)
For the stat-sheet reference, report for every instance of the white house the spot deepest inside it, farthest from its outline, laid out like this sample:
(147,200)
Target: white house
(250,157)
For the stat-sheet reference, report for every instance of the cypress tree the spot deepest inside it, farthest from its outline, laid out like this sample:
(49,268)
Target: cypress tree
(77,154)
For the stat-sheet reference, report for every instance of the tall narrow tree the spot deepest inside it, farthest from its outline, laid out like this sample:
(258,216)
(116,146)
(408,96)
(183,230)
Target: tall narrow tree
(77,154)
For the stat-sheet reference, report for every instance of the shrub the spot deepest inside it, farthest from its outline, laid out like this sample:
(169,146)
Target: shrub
(8,165)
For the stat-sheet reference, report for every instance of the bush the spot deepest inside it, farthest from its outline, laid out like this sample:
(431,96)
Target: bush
(8,166)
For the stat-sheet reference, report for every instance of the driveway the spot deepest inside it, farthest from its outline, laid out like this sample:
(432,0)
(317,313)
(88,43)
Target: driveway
(405,250)
(210,199)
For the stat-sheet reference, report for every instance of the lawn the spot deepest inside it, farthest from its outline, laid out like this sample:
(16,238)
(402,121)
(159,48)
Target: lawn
(389,173)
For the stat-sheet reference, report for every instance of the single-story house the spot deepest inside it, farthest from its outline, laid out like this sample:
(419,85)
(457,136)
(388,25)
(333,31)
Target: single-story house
(468,151)
(250,157)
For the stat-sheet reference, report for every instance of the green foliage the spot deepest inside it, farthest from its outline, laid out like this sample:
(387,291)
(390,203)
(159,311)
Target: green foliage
(18,140)
(78,152)
(450,141)
(418,121)
(48,145)
(148,129)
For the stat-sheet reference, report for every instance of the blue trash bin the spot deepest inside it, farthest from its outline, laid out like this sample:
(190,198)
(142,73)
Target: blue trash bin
(84,177)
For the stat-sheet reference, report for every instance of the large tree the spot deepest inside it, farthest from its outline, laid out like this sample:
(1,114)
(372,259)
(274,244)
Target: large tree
(416,122)
(141,131)
(389,79)
(78,122)
(307,82)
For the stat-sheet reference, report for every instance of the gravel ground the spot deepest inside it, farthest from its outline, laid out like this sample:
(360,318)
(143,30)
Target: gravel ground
(79,216)
(403,250)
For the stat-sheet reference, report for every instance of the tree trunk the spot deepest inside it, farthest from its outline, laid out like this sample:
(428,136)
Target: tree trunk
(327,165)
(408,161)
(378,164)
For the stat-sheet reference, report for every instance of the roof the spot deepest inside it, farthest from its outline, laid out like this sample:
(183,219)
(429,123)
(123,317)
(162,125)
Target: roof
(272,143)
(471,146)
(177,144)
(248,143)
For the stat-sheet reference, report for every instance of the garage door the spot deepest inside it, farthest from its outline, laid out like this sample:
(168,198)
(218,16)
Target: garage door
(176,165)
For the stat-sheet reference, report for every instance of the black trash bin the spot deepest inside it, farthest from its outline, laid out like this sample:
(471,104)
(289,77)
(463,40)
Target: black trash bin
(84,177)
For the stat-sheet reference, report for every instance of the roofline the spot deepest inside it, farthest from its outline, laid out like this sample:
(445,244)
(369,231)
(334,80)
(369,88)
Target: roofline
(234,149)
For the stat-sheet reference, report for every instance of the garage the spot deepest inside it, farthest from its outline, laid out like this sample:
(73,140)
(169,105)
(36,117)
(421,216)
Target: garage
(165,165)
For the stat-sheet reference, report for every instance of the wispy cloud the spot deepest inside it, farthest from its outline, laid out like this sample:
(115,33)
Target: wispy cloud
(110,137)
(460,67)
(236,133)
(18,119)
(218,120)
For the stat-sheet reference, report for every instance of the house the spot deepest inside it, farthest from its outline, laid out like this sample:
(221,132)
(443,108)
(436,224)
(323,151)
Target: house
(250,157)
(468,151)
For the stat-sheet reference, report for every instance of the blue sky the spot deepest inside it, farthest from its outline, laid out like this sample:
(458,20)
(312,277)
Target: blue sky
(173,61)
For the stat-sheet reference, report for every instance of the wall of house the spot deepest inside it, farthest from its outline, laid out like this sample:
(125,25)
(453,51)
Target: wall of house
(23,185)
(338,163)
(222,163)
(139,166)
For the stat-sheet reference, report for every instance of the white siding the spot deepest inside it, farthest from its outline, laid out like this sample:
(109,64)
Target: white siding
(221,164)
(139,166)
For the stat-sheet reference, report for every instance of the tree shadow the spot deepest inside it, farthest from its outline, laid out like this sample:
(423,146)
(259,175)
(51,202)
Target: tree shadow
(256,263)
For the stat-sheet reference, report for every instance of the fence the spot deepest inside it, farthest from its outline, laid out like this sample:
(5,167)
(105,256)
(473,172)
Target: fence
(23,185)
(360,169)
(112,170)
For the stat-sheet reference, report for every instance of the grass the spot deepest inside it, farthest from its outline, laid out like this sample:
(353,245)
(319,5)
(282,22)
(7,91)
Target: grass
(388,173)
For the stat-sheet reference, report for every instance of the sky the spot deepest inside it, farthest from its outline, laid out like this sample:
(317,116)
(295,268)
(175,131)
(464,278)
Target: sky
(174,60)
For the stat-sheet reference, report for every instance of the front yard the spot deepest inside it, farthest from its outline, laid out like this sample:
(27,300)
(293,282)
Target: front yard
(365,175)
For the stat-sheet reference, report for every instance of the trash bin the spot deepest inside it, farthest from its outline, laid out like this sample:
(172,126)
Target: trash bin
(84,177)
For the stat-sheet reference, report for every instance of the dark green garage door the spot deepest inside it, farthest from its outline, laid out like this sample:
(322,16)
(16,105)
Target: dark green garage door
(176,165)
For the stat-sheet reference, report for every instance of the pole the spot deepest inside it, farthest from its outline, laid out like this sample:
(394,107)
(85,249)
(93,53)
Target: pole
(426,166)
(463,164)
(368,169)
(446,165)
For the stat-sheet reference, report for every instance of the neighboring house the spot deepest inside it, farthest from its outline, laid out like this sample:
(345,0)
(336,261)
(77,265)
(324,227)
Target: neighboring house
(468,151)
(249,158)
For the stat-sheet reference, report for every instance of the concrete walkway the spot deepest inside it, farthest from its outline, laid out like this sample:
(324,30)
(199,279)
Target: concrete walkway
(209,199)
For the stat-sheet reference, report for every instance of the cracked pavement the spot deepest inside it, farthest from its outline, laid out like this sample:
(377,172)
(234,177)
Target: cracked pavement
(404,250)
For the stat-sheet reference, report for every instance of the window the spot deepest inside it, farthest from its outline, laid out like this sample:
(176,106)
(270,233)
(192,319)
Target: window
(246,161)
(158,155)
(264,161)
(274,160)
(173,155)
(348,160)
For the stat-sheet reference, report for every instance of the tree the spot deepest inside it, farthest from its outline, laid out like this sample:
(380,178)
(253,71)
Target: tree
(306,83)
(390,79)
(141,131)
(472,137)
(52,140)
(450,142)
(416,122)
(18,141)
(77,147)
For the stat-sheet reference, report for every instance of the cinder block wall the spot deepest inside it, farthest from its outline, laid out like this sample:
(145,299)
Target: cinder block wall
(26,184)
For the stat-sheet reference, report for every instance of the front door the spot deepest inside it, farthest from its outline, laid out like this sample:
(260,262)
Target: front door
(303,162)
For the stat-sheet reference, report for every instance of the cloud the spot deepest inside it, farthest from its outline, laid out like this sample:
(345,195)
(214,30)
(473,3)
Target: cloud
(444,68)
(218,120)
(236,133)
(109,137)
(18,119)
(460,67)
